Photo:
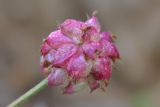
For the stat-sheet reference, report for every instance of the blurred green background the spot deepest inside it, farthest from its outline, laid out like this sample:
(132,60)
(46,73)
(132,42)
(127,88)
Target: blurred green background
(136,78)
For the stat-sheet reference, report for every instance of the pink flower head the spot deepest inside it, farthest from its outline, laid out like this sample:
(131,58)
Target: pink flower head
(77,54)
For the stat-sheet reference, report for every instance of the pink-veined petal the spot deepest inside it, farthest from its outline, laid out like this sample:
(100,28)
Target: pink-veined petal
(46,61)
(77,66)
(109,49)
(93,21)
(101,69)
(94,85)
(91,49)
(72,28)
(72,88)
(108,36)
(56,38)
(48,58)
(69,89)
(63,53)
(91,34)
(57,77)
(45,48)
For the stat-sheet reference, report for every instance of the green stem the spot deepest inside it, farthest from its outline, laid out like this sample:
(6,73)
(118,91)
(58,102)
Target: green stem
(29,94)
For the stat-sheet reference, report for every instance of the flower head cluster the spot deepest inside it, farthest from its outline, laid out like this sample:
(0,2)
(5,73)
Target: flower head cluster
(79,53)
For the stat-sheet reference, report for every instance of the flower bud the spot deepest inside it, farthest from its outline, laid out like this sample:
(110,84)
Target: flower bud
(57,77)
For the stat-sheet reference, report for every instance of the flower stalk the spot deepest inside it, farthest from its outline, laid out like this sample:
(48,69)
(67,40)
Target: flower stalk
(39,87)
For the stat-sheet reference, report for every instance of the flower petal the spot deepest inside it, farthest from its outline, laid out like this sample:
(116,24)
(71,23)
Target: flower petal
(72,88)
(77,66)
(93,21)
(72,28)
(91,49)
(48,58)
(57,77)
(109,49)
(64,53)
(45,48)
(46,61)
(91,34)
(56,38)
(106,36)
(101,69)
(69,89)
(93,84)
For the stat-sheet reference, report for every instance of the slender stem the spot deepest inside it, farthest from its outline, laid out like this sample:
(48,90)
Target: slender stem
(29,94)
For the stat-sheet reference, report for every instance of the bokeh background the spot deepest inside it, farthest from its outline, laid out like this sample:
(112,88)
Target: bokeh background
(136,78)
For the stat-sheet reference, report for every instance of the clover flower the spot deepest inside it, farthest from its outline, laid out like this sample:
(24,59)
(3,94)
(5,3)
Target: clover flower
(79,53)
